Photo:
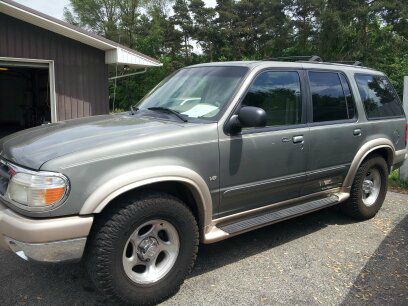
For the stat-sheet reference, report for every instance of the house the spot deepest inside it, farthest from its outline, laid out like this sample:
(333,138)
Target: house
(51,70)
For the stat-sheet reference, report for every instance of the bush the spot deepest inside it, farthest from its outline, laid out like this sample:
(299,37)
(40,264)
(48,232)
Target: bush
(396,181)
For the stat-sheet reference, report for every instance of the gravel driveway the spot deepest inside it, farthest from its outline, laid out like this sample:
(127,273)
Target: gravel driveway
(322,258)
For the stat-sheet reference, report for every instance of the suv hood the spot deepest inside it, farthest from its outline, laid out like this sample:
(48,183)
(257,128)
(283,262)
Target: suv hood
(33,147)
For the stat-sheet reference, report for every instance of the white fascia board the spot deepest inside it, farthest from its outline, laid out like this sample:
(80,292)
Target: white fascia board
(124,57)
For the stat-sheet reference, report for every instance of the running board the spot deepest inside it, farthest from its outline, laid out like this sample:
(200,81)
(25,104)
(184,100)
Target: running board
(279,215)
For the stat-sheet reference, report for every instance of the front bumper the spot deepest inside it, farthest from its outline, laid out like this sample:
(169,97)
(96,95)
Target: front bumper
(47,240)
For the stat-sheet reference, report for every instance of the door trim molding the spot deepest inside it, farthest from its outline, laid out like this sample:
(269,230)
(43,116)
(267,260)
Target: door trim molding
(265,184)
(274,205)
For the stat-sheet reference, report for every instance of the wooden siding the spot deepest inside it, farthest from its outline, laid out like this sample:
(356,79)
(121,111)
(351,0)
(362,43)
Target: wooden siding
(81,75)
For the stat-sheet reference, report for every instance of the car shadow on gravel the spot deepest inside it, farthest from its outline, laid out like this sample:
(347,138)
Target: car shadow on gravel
(42,284)
(384,279)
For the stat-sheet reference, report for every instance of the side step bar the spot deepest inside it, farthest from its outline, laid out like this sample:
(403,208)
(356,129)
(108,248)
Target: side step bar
(275,216)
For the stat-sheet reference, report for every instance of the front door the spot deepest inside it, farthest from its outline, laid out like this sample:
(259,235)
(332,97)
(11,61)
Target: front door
(262,166)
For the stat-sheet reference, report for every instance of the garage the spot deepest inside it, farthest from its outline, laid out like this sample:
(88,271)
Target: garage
(25,96)
(52,71)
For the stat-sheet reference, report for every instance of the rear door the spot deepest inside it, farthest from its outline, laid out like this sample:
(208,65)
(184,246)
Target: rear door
(335,133)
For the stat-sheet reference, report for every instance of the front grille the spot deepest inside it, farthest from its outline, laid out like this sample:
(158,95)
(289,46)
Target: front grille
(4,177)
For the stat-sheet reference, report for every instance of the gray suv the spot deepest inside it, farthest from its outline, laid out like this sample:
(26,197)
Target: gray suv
(213,151)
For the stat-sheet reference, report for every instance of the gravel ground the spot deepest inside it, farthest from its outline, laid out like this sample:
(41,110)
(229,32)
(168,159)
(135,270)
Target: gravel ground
(321,258)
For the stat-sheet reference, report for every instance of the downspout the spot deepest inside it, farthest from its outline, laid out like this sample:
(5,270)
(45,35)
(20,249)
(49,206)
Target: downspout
(116,77)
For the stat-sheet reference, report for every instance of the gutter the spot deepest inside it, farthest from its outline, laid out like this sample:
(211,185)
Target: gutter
(127,75)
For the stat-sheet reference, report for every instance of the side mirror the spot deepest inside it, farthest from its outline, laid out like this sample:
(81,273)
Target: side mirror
(248,116)
(251,116)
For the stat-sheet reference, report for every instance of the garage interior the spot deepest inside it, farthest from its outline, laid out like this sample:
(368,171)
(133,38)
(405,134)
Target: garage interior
(24,97)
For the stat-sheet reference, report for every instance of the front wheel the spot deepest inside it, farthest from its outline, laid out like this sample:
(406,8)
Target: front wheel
(141,251)
(368,190)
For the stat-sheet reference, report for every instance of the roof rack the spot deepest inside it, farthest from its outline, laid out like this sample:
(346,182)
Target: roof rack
(353,63)
(309,58)
(313,58)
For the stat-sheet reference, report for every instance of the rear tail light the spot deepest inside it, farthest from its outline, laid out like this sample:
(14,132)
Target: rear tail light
(406,134)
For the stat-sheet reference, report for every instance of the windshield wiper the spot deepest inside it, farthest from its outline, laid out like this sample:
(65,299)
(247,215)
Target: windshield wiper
(133,109)
(168,111)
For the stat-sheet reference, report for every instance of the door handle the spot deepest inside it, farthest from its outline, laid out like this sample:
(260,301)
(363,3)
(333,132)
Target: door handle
(297,139)
(357,132)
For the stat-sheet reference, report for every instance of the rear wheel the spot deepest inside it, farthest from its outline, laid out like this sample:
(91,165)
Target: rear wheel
(368,190)
(141,251)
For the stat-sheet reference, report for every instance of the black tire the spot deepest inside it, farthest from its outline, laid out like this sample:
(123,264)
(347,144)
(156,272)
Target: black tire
(355,206)
(107,242)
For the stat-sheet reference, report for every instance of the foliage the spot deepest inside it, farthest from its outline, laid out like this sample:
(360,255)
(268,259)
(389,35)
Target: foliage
(372,31)
(396,182)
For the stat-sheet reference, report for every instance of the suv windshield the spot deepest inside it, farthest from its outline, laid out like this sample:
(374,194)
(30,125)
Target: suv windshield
(199,92)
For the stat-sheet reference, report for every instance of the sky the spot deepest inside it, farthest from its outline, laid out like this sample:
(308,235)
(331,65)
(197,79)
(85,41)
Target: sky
(55,8)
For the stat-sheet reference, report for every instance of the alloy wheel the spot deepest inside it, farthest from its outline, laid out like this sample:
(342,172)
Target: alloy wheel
(151,251)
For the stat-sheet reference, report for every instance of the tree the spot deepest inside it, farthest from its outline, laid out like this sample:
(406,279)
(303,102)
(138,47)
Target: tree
(304,15)
(101,17)
(228,43)
(129,21)
(265,32)
(204,29)
(372,31)
(395,14)
(182,19)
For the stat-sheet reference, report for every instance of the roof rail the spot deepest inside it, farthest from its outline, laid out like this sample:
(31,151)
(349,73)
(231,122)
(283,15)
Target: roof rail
(353,63)
(312,58)
(309,58)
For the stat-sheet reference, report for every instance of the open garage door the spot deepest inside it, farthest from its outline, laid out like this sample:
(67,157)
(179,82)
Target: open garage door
(25,96)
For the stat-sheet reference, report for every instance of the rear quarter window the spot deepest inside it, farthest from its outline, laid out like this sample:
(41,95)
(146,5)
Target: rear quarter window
(378,96)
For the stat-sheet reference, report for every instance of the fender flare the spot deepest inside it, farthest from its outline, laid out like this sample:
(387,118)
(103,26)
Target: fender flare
(362,153)
(116,186)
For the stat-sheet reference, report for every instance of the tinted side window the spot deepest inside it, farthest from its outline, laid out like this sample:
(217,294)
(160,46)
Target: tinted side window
(278,93)
(378,96)
(329,99)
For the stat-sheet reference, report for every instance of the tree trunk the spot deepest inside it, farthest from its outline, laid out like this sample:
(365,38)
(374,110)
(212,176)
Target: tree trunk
(186,48)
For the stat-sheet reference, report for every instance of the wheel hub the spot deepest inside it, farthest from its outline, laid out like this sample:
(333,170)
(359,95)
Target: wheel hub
(368,186)
(148,249)
(371,187)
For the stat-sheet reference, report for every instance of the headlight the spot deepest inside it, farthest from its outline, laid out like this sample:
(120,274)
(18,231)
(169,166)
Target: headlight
(37,190)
